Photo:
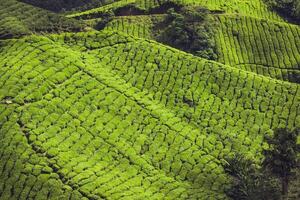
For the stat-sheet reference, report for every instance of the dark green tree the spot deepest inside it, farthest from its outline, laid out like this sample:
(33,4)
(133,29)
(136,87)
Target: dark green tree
(190,30)
(249,181)
(281,157)
(287,8)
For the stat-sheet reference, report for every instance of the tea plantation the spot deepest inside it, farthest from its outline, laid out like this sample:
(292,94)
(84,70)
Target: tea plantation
(114,113)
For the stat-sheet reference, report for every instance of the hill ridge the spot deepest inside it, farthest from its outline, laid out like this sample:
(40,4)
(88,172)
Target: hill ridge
(131,39)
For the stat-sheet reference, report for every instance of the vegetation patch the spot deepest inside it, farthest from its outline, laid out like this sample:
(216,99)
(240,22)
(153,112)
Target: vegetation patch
(66,5)
(191,30)
(289,9)
(18,19)
(166,99)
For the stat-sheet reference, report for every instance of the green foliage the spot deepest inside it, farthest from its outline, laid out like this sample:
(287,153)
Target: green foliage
(18,19)
(260,46)
(189,30)
(253,8)
(250,182)
(288,8)
(66,5)
(282,156)
(105,19)
(12,27)
(105,115)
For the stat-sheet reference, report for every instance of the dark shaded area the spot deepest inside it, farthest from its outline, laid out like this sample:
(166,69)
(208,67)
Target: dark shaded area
(66,5)
(288,9)
(105,19)
(19,19)
(164,7)
(293,76)
(190,29)
(282,157)
(129,10)
(250,182)
(189,102)
(279,166)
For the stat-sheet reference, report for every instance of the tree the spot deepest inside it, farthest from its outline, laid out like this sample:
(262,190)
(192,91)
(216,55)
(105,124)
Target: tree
(249,181)
(281,157)
(190,30)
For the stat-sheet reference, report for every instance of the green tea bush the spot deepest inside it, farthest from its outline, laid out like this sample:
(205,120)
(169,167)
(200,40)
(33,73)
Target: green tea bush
(271,52)
(106,122)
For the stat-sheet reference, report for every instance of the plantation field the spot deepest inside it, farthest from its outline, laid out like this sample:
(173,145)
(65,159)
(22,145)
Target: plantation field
(60,6)
(114,114)
(121,129)
(254,8)
(107,126)
(18,19)
(252,44)
(141,26)
(270,49)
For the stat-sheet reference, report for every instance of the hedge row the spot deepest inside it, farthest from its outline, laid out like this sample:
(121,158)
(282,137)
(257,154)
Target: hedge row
(254,8)
(102,136)
(261,46)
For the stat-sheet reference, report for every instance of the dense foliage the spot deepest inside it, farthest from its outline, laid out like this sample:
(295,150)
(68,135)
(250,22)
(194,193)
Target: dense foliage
(115,108)
(253,44)
(263,47)
(249,181)
(280,164)
(114,114)
(253,8)
(288,8)
(189,30)
(282,156)
(104,20)
(18,19)
(67,5)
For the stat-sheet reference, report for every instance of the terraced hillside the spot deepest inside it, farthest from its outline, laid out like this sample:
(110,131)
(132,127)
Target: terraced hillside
(259,45)
(264,47)
(66,5)
(18,19)
(124,140)
(254,8)
(113,114)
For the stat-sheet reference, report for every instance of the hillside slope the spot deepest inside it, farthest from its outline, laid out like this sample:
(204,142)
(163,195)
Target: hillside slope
(114,114)
(254,8)
(265,47)
(66,5)
(107,129)
(18,19)
(103,126)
